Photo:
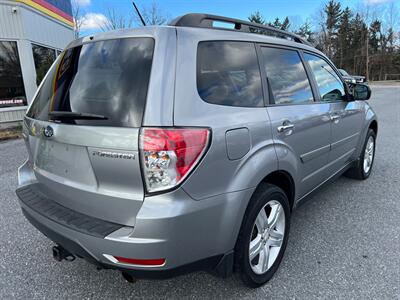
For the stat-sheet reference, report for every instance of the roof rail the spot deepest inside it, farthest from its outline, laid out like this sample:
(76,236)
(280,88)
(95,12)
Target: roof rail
(206,21)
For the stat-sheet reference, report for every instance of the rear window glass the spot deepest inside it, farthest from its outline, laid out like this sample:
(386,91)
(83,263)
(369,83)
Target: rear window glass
(105,79)
(228,74)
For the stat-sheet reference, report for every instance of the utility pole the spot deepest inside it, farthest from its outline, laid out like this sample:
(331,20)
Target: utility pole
(367,57)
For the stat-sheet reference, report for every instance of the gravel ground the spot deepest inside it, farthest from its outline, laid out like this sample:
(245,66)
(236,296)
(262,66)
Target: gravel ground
(344,243)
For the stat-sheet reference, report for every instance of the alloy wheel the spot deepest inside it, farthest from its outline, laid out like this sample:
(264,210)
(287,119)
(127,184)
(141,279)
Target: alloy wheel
(368,155)
(267,237)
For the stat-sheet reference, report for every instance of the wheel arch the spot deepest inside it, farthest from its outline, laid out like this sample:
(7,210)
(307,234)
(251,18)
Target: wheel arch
(374,126)
(370,122)
(284,181)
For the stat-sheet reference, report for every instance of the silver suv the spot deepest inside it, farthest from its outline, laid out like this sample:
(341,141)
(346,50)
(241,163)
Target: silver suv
(162,150)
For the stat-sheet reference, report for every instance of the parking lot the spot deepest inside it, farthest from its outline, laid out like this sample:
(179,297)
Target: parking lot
(344,242)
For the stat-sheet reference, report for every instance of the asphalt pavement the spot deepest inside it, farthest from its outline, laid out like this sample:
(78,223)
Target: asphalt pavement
(344,242)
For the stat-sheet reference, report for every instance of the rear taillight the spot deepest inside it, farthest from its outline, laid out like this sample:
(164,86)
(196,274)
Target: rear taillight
(169,154)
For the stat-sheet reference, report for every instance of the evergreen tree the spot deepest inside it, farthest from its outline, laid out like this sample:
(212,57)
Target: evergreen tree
(358,31)
(344,35)
(285,24)
(306,32)
(375,36)
(277,23)
(257,17)
(333,13)
(280,25)
(349,41)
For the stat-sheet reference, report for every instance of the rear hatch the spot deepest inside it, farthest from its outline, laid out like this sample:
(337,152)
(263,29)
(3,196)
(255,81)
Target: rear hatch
(84,128)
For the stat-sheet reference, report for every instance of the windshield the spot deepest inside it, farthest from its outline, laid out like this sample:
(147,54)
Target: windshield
(107,79)
(343,72)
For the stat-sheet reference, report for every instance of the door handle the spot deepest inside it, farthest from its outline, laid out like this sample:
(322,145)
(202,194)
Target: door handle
(285,126)
(335,118)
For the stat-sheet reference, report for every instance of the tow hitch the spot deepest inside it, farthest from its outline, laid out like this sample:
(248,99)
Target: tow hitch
(59,253)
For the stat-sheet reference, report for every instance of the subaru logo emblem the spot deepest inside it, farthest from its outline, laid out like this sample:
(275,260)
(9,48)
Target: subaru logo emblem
(48,131)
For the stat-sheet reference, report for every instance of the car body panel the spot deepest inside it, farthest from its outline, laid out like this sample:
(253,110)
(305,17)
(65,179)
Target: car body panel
(216,171)
(96,171)
(69,173)
(345,133)
(171,226)
(308,141)
(368,117)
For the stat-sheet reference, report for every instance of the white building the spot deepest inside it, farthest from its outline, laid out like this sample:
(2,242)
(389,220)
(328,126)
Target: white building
(32,34)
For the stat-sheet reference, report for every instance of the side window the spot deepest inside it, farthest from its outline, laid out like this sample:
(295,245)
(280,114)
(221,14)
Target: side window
(331,88)
(286,76)
(228,74)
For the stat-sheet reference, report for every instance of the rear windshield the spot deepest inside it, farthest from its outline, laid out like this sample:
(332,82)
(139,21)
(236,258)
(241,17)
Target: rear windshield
(106,80)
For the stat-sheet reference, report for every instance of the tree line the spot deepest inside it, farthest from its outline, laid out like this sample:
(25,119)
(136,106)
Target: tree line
(361,42)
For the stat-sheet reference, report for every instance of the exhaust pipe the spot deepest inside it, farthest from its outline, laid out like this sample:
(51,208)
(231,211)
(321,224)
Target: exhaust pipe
(129,277)
(60,253)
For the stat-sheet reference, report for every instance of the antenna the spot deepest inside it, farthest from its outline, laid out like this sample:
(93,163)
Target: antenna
(138,12)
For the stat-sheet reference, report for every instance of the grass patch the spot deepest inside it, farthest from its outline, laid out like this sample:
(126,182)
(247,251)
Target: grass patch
(11,133)
(387,82)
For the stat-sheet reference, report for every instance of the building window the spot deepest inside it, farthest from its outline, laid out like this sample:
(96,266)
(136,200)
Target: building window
(44,58)
(12,92)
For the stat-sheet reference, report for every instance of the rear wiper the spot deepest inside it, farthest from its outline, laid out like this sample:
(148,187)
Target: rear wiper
(75,115)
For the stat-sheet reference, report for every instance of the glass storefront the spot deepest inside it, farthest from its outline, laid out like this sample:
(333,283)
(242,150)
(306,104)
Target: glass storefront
(12,92)
(43,58)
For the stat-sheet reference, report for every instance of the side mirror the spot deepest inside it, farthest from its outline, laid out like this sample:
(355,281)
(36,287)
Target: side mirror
(361,91)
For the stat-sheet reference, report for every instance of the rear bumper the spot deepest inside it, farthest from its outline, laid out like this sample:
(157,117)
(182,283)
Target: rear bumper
(216,263)
(189,234)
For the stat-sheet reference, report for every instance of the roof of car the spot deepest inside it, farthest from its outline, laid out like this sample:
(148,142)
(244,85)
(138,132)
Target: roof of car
(208,21)
(200,24)
(213,34)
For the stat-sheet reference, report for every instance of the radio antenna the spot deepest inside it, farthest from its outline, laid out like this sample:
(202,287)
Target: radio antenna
(138,12)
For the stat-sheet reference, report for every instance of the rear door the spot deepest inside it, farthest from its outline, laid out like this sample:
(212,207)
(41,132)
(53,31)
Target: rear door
(346,116)
(300,127)
(84,125)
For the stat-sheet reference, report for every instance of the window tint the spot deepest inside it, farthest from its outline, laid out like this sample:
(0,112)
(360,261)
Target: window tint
(228,74)
(43,58)
(106,78)
(329,84)
(286,76)
(12,92)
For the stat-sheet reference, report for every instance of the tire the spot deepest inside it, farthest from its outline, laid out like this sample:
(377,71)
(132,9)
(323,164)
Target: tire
(273,201)
(359,171)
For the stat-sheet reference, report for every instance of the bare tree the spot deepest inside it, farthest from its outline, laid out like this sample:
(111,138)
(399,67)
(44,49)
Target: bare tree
(366,16)
(322,35)
(152,15)
(115,20)
(77,17)
(392,18)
